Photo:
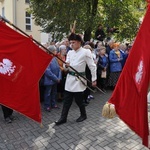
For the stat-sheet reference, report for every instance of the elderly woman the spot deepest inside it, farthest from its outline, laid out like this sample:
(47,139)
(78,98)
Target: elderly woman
(102,66)
(62,55)
(115,58)
(87,92)
(60,87)
(52,77)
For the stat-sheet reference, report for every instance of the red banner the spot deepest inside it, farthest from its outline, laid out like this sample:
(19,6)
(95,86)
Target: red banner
(22,64)
(130,94)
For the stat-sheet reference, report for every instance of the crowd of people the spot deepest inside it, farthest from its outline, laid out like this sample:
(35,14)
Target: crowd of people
(100,62)
(108,57)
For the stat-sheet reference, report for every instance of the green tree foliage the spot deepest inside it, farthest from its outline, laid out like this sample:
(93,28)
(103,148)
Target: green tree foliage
(56,16)
(124,15)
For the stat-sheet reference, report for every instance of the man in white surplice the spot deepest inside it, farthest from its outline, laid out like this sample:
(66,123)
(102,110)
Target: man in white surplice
(77,58)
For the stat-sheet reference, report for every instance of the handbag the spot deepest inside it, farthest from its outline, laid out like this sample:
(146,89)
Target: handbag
(103,74)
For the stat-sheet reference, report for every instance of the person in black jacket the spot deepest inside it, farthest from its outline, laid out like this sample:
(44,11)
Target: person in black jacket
(99,34)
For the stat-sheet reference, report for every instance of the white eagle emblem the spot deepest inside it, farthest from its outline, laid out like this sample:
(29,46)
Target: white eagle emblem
(139,74)
(7,67)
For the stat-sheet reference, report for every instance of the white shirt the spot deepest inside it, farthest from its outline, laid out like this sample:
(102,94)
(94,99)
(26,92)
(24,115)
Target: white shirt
(78,60)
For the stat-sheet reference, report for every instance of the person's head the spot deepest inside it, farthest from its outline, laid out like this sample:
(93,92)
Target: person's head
(75,41)
(88,47)
(122,47)
(100,44)
(62,50)
(92,44)
(110,43)
(66,42)
(52,49)
(52,43)
(116,46)
(102,50)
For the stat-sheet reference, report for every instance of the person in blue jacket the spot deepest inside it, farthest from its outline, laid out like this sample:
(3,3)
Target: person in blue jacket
(124,52)
(102,66)
(52,76)
(115,59)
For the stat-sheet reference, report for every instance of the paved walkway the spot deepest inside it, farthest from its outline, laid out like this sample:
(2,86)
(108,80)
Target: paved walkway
(95,133)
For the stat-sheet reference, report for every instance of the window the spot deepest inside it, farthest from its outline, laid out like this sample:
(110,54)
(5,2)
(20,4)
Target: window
(28,21)
(27,1)
(3,12)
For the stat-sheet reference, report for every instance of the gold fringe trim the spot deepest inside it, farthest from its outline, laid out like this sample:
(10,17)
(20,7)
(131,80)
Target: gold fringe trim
(41,125)
(109,111)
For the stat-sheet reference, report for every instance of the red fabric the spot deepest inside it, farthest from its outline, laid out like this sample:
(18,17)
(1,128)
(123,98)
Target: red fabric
(22,64)
(130,94)
(148,1)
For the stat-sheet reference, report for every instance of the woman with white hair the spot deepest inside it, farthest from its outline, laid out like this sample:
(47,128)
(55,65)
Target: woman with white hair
(87,92)
(60,87)
(52,77)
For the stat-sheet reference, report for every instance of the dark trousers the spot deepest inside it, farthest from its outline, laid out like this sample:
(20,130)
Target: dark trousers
(42,90)
(102,83)
(50,96)
(68,99)
(86,93)
(88,76)
(6,111)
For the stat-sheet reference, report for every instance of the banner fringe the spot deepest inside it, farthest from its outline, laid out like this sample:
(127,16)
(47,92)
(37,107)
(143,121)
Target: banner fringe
(109,111)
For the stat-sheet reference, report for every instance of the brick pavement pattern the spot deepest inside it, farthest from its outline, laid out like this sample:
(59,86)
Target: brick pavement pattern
(95,133)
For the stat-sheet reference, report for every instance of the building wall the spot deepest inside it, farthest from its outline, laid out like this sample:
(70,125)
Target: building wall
(15,12)
(8,5)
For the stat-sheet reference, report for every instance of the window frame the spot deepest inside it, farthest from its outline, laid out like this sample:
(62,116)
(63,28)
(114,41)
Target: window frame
(3,11)
(26,23)
(27,1)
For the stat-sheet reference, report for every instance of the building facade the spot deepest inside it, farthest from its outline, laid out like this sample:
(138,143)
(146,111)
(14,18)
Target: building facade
(16,12)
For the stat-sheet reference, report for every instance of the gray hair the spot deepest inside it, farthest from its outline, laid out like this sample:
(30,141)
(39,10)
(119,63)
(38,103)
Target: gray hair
(62,47)
(52,48)
(110,42)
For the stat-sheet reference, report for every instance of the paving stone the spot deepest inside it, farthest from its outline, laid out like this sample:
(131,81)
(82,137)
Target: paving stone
(24,145)
(2,146)
(107,148)
(64,146)
(98,147)
(10,147)
(55,145)
(79,148)
(92,148)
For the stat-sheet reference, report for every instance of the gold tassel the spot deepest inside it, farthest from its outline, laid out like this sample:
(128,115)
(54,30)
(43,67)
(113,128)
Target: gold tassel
(108,111)
(41,125)
(105,111)
(112,112)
